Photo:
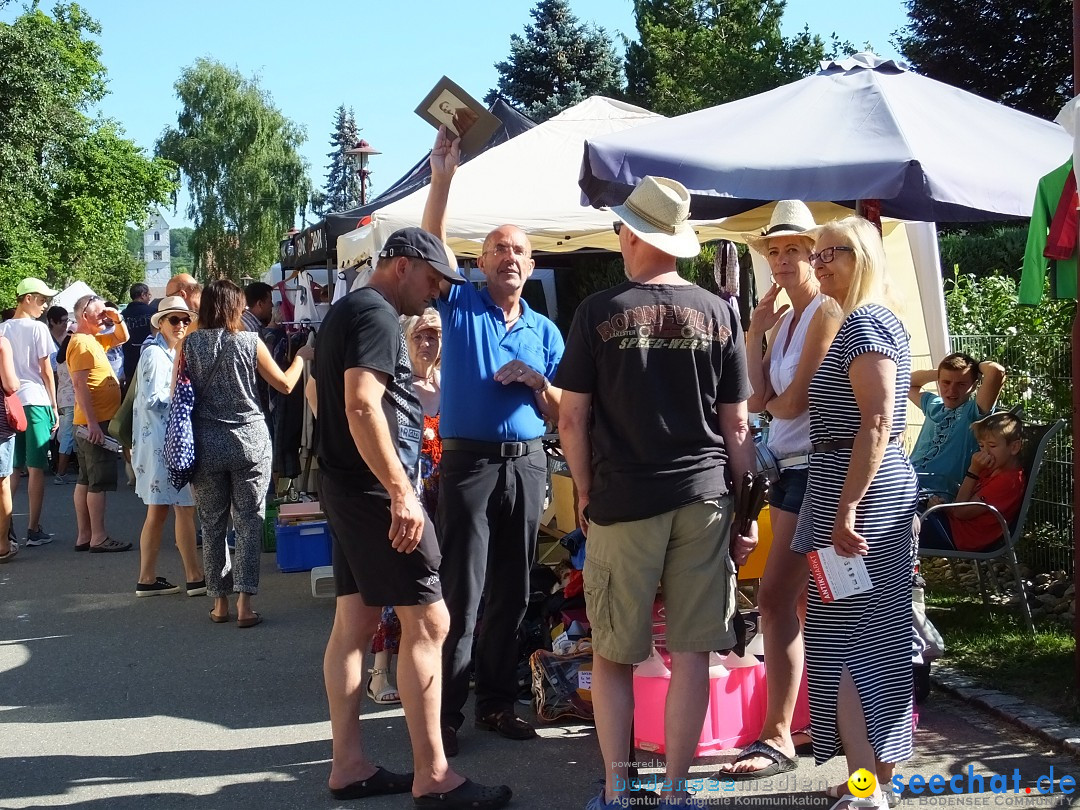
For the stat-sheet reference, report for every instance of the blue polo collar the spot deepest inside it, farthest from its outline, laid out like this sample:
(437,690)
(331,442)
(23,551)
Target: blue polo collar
(527,318)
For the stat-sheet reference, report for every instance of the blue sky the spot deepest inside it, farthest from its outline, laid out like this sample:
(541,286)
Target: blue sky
(379,58)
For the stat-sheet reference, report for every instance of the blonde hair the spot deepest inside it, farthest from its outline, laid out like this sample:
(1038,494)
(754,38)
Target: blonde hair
(870,284)
(428,319)
(1002,424)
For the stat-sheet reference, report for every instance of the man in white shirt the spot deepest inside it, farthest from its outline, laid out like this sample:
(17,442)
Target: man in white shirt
(31,346)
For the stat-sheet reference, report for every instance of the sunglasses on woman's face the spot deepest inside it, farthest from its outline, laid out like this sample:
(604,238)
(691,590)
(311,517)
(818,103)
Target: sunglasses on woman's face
(176,320)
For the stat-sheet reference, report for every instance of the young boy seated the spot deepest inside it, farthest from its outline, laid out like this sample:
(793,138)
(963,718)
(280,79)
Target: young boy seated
(994,477)
(945,442)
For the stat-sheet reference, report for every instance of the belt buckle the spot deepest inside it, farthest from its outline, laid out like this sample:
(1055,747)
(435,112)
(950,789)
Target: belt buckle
(512,449)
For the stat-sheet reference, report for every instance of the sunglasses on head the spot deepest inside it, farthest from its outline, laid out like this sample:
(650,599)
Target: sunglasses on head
(176,320)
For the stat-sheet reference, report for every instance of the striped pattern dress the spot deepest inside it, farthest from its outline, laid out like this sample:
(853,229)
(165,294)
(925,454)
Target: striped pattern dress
(870,632)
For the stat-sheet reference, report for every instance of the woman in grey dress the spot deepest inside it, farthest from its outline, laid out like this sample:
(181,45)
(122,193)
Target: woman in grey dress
(232,444)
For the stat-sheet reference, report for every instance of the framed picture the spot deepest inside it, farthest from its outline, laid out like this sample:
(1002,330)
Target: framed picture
(450,106)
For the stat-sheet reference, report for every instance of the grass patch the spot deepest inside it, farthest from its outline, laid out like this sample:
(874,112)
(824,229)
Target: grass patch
(994,647)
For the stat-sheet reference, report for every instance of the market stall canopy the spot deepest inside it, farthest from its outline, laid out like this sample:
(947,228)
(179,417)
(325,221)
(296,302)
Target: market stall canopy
(861,128)
(67,297)
(315,244)
(530,181)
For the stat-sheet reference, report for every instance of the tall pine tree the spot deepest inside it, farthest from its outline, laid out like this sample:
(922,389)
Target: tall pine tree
(558,63)
(342,182)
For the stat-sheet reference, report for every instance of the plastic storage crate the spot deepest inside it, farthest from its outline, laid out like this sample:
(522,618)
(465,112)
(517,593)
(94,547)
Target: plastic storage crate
(737,702)
(303,546)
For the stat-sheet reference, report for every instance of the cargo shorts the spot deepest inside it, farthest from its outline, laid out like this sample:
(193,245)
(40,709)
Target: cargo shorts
(685,551)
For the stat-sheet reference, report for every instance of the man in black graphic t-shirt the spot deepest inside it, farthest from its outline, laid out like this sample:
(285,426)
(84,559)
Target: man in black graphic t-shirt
(385,551)
(654,427)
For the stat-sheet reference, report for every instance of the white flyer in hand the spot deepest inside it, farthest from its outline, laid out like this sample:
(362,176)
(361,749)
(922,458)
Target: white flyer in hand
(837,576)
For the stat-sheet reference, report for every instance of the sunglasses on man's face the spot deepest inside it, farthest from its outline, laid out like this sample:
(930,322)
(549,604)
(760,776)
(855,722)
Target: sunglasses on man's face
(176,320)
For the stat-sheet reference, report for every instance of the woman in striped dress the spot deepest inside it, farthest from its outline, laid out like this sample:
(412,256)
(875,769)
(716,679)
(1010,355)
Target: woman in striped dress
(860,500)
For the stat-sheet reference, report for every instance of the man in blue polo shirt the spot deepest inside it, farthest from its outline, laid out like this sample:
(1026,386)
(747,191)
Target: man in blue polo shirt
(946,442)
(499,356)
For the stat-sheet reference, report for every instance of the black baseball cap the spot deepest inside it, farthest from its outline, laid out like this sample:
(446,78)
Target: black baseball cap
(416,243)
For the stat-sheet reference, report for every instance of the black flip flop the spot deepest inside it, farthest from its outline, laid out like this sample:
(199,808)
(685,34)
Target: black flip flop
(781,763)
(109,545)
(467,796)
(380,783)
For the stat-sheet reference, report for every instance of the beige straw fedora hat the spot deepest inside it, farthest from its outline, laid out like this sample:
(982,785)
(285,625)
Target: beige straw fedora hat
(658,211)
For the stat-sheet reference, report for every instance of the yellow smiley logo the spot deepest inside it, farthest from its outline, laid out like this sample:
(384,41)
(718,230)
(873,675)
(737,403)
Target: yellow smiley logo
(862,783)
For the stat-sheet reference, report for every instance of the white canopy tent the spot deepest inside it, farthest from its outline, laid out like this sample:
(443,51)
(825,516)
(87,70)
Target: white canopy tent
(532,181)
(67,297)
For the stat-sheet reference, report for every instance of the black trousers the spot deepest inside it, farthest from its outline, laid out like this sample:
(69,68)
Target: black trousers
(488,515)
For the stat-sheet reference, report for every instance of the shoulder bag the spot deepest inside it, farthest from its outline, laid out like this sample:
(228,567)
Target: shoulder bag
(121,426)
(179,449)
(16,415)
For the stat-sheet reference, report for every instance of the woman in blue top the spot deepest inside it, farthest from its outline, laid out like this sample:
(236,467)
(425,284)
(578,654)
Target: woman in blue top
(148,419)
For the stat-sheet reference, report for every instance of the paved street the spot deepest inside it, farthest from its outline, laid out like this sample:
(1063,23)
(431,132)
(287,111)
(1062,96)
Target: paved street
(108,701)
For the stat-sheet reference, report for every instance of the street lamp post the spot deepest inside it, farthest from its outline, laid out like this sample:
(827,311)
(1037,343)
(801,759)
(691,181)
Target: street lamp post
(361,151)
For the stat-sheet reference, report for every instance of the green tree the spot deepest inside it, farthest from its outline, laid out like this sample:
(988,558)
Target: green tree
(558,63)
(68,183)
(693,54)
(1017,52)
(342,182)
(238,156)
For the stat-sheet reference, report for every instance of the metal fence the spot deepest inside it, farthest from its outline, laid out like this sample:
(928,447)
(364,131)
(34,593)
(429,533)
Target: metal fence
(1039,378)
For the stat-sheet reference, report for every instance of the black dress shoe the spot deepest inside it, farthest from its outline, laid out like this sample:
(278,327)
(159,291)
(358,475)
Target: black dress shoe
(507,724)
(449,741)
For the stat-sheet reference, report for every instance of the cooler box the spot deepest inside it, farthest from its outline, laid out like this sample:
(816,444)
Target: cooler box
(736,712)
(303,546)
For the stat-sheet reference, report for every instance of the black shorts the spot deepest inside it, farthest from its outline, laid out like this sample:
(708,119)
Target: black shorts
(364,560)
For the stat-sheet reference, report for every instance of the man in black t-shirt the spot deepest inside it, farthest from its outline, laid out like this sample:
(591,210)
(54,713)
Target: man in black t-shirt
(137,317)
(653,415)
(384,546)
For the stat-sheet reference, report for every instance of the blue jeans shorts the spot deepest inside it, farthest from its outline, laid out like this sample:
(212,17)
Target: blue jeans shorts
(787,493)
(7,456)
(65,435)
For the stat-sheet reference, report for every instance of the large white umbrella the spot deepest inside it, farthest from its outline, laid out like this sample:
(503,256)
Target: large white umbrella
(861,128)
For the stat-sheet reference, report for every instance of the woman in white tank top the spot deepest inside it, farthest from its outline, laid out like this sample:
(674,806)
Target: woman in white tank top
(797,337)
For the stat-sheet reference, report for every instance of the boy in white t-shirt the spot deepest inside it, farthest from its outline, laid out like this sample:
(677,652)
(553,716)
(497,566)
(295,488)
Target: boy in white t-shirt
(32,346)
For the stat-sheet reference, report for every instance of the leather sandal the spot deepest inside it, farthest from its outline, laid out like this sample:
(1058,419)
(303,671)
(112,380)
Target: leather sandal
(507,724)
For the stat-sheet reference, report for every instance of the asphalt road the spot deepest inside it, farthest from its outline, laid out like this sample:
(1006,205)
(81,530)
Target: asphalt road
(108,701)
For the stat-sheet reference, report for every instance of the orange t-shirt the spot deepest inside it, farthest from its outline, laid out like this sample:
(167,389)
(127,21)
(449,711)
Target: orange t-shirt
(87,353)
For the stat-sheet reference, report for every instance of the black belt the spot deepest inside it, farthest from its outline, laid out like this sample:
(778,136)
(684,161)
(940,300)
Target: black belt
(846,444)
(494,449)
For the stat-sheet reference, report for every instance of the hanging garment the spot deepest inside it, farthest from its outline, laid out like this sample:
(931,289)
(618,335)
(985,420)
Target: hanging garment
(726,269)
(1036,265)
(303,299)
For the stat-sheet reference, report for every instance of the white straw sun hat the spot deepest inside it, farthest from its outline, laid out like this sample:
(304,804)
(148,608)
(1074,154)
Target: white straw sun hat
(789,218)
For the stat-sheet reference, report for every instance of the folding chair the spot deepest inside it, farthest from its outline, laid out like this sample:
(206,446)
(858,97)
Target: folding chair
(1036,437)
